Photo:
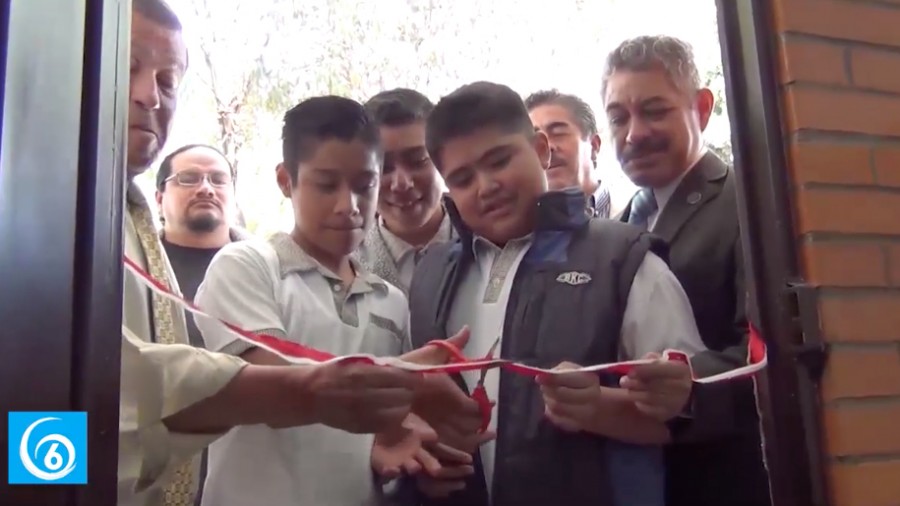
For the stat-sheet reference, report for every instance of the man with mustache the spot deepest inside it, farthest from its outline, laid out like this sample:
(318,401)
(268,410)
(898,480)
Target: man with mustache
(195,195)
(411,217)
(176,399)
(570,125)
(554,287)
(657,111)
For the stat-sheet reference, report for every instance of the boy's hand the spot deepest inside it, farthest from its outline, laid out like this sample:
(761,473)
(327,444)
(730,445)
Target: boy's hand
(572,401)
(402,449)
(454,467)
(442,403)
(437,355)
(659,390)
(454,415)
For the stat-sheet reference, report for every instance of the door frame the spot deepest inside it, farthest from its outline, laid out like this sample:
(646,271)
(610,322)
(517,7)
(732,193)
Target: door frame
(65,100)
(64,208)
(782,307)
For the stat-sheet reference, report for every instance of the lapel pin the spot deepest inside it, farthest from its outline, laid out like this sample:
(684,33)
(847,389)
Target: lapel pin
(693,198)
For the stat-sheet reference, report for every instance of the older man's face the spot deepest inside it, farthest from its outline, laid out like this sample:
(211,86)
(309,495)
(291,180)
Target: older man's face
(158,63)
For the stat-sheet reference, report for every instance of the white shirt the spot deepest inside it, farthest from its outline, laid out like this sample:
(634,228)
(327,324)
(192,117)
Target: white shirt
(657,315)
(274,287)
(664,194)
(404,254)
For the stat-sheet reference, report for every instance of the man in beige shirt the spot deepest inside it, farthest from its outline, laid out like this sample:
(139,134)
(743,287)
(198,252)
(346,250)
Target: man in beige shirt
(176,399)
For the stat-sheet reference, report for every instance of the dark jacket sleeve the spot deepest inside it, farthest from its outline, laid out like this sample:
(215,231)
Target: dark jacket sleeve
(724,408)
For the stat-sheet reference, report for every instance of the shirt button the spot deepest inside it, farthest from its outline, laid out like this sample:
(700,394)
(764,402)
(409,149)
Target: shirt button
(336,287)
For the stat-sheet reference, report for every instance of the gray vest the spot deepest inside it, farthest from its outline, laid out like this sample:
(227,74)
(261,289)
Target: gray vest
(549,321)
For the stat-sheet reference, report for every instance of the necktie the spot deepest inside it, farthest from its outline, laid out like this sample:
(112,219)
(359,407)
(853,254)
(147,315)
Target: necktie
(601,203)
(180,490)
(643,204)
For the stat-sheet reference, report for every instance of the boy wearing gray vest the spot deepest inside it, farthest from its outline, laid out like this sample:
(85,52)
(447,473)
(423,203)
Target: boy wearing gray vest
(557,288)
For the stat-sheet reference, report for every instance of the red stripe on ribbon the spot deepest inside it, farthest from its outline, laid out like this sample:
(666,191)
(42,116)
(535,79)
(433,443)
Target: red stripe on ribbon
(297,353)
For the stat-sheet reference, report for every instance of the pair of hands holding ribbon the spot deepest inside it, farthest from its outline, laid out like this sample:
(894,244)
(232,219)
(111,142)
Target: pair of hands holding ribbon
(436,441)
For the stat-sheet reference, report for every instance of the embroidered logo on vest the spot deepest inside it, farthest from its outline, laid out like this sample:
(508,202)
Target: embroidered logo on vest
(573,278)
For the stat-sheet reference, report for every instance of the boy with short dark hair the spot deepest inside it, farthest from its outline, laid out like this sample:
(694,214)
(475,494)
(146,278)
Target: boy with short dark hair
(558,289)
(305,287)
(411,217)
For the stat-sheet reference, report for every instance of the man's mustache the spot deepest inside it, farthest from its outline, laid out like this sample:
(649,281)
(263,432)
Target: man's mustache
(204,201)
(648,146)
(556,160)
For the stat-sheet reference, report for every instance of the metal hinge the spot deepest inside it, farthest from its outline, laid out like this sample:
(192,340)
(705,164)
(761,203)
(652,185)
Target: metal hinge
(809,350)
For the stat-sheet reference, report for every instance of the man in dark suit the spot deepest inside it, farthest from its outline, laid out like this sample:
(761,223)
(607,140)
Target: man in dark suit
(657,110)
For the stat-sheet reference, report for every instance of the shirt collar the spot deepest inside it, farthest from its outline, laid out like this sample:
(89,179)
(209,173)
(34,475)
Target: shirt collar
(662,195)
(397,247)
(481,246)
(292,258)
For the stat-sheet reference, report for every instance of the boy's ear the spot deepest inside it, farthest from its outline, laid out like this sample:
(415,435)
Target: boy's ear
(542,147)
(283,178)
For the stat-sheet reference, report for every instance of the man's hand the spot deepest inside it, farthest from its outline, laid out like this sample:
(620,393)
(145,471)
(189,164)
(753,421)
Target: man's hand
(572,401)
(357,398)
(659,390)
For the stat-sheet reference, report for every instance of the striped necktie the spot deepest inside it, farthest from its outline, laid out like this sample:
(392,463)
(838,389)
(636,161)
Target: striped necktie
(180,490)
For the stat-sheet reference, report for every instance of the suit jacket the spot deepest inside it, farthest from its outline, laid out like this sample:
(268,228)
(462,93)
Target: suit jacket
(700,224)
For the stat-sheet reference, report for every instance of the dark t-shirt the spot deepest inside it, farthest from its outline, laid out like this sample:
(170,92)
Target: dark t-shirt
(190,266)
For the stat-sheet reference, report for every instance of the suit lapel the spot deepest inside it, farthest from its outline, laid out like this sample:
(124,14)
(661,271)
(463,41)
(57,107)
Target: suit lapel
(701,185)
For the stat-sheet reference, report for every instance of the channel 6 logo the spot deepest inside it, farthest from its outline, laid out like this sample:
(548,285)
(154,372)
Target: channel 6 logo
(47,448)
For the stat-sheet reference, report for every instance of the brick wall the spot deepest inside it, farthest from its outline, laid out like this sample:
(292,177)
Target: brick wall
(840,76)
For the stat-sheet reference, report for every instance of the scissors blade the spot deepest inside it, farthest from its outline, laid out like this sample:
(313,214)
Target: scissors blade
(489,356)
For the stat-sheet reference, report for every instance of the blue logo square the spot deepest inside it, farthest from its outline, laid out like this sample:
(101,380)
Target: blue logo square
(48,448)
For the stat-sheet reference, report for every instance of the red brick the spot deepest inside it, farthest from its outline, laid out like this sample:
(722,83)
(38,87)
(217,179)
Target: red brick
(845,264)
(842,111)
(851,373)
(887,165)
(849,211)
(865,484)
(831,163)
(856,21)
(865,429)
(861,318)
(879,70)
(818,62)
(894,264)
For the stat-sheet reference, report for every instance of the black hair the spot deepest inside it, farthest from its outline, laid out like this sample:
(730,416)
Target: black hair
(159,12)
(319,119)
(165,167)
(473,107)
(398,107)
(579,109)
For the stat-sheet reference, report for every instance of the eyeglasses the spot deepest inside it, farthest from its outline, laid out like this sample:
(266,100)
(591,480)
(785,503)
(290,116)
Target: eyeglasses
(191,178)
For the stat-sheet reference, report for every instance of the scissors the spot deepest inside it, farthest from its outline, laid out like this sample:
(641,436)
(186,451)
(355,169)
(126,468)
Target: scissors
(479,394)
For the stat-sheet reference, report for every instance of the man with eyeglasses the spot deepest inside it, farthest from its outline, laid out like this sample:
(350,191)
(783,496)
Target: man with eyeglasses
(196,199)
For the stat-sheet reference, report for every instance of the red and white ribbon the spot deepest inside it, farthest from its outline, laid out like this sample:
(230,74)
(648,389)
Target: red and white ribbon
(296,353)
